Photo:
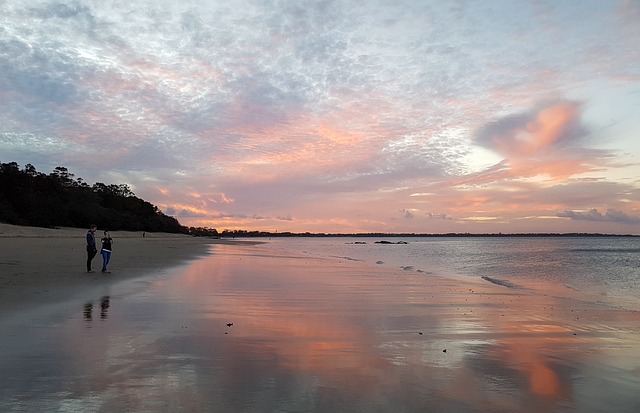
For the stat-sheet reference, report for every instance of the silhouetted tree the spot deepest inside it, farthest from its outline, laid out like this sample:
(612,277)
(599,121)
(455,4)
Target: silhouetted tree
(28,197)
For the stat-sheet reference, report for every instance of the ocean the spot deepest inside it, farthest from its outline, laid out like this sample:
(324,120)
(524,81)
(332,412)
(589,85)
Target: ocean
(604,268)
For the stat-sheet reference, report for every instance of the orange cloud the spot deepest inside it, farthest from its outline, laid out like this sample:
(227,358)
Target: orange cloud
(549,127)
(545,143)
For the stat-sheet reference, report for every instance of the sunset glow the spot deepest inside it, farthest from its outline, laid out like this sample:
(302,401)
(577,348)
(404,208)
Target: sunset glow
(335,116)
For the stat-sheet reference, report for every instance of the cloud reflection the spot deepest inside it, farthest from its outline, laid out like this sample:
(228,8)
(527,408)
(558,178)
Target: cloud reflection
(361,332)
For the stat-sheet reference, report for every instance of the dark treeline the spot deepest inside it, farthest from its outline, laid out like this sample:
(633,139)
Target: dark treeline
(29,197)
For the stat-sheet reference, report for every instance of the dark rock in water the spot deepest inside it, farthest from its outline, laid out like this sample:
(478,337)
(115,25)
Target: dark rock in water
(359,242)
(389,242)
(444,351)
(229,324)
(497,281)
(379,262)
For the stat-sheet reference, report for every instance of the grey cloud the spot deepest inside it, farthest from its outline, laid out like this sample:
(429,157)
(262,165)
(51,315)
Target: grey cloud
(72,10)
(148,155)
(260,102)
(183,213)
(406,213)
(500,127)
(29,70)
(611,215)
(36,84)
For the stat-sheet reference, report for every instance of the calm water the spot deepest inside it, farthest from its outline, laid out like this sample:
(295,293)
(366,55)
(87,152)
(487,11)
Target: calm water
(608,266)
(326,325)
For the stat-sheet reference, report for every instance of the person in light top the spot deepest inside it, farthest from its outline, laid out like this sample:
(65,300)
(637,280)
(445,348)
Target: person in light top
(107,242)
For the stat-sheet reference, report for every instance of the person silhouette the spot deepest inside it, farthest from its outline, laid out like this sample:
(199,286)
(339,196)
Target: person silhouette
(107,242)
(91,245)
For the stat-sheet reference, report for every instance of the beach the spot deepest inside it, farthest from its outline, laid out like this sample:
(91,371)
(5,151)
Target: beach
(233,326)
(40,265)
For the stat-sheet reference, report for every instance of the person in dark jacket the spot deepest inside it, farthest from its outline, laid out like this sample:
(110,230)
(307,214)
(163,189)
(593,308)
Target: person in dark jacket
(107,241)
(91,245)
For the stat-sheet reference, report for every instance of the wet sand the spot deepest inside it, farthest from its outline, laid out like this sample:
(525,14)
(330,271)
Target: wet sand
(248,329)
(329,335)
(42,265)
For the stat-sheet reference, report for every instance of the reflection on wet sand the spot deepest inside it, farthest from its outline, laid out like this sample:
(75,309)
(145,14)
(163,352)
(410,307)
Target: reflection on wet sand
(246,331)
(104,307)
(368,333)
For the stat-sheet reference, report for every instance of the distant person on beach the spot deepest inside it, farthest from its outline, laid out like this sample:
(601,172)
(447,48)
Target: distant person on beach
(106,250)
(91,245)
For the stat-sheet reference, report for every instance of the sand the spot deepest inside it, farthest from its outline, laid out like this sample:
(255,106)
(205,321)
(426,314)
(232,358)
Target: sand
(42,265)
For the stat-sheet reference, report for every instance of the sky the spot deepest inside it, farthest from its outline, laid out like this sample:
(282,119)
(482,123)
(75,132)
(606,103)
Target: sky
(336,116)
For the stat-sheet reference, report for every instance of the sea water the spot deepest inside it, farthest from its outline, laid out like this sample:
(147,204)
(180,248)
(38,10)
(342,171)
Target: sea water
(605,267)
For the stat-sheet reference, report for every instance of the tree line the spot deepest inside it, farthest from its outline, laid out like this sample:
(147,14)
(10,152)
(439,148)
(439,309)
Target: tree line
(58,199)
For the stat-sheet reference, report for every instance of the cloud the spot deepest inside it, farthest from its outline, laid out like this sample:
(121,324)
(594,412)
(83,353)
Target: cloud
(407,213)
(443,217)
(550,140)
(184,213)
(552,127)
(611,215)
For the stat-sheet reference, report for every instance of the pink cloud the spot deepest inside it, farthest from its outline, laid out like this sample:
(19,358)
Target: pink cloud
(537,133)
(548,141)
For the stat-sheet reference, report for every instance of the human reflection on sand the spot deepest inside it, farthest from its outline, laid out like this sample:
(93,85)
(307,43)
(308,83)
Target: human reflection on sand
(246,331)
(104,307)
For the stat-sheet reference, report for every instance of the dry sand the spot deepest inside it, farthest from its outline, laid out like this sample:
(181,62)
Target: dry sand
(41,265)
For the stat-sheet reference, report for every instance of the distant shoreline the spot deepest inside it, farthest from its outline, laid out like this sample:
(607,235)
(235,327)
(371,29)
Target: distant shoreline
(258,234)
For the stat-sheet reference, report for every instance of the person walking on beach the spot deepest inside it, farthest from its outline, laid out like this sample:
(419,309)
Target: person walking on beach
(106,250)
(91,245)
